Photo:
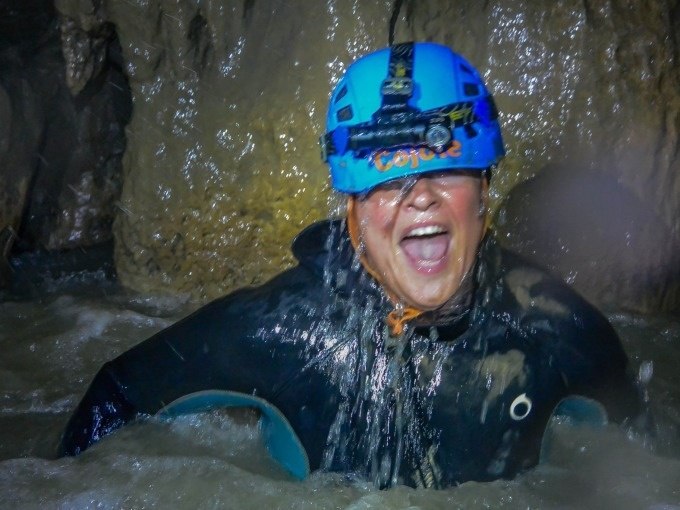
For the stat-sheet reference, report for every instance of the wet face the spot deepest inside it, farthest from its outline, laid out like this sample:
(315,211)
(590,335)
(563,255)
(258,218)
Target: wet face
(421,234)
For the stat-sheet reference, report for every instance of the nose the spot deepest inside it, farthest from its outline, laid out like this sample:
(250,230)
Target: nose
(422,196)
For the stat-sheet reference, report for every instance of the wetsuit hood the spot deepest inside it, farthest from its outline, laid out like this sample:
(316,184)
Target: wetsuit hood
(323,244)
(325,249)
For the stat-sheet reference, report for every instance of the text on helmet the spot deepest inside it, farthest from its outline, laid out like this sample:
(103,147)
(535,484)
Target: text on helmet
(384,160)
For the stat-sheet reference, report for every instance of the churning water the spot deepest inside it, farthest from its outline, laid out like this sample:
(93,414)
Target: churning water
(51,348)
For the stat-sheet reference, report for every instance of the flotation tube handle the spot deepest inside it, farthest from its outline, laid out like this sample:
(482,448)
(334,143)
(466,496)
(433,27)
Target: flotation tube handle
(279,437)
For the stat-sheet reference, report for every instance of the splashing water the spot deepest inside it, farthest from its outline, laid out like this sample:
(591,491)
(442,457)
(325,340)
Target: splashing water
(53,346)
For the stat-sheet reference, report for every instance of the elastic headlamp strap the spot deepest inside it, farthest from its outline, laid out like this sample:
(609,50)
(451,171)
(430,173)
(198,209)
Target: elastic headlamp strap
(397,88)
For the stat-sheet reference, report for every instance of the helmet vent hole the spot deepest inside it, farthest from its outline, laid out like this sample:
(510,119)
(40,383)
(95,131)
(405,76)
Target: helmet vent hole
(345,113)
(470,132)
(341,93)
(466,69)
(470,89)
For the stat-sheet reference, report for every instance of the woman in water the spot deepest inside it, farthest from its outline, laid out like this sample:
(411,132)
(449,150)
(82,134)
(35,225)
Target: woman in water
(407,345)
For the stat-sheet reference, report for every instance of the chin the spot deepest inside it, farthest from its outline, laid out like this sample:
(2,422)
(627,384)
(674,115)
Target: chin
(428,301)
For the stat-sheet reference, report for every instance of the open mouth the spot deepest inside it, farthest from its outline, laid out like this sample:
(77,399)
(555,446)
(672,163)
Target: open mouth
(427,246)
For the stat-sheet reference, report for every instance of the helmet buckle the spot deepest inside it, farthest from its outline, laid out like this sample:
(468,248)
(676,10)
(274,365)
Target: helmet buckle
(397,86)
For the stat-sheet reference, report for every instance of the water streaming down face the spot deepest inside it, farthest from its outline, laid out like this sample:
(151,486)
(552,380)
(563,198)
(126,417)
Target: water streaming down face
(388,382)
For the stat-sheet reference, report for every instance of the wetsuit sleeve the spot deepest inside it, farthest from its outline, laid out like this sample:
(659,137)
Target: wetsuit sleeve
(103,409)
(217,347)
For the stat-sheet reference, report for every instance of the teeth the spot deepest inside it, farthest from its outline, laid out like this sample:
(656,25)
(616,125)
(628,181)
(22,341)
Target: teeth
(426,231)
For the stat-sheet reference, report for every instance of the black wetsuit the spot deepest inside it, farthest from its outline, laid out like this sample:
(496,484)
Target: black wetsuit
(454,398)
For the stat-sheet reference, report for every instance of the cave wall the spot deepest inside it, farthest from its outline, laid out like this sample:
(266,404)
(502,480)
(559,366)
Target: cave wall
(222,169)
(60,148)
(222,165)
(19,140)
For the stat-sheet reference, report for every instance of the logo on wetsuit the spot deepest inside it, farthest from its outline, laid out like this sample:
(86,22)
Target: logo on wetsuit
(384,160)
(520,407)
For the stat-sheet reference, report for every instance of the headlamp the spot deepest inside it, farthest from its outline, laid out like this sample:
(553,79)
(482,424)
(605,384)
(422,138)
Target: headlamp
(386,131)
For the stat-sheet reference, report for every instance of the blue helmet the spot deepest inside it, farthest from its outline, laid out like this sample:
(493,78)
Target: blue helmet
(405,110)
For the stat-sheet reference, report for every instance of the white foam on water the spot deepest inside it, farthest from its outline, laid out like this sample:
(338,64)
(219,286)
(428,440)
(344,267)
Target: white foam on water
(218,461)
(52,349)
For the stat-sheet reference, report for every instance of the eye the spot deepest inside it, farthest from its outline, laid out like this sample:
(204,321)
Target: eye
(444,177)
(396,185)
(452,177)
(386,190)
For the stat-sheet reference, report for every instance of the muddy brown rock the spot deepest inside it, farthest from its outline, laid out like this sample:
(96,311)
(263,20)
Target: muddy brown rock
(60,152)
(221,166)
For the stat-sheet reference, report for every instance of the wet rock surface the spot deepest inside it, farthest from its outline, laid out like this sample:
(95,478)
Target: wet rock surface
(20,119)
(222,165)
(60,152)
(222,168)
